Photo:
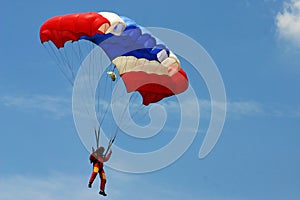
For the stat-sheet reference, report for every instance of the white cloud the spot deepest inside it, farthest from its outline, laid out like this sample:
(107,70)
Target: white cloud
(58,187)
(239,109)
(61,186)
(61,107)
(57,106)
(244,108)
(233,108)
(288,22)
(236,109)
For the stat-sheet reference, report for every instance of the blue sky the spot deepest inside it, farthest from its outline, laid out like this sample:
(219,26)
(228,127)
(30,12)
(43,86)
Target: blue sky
(256,46)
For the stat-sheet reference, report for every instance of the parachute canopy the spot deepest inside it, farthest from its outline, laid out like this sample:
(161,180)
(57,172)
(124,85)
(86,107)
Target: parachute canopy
(145,64)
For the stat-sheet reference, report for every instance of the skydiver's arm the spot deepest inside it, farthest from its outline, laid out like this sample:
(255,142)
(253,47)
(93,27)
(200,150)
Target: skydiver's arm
(107,157)
(100,159)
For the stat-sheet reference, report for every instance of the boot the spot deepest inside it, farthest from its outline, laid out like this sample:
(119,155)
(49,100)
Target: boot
(102,193)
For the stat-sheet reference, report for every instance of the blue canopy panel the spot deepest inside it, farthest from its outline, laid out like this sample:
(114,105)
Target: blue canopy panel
(134,41)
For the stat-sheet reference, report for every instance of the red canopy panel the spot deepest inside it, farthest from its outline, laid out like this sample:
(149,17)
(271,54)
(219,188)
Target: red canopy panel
(154,87)
(61,29)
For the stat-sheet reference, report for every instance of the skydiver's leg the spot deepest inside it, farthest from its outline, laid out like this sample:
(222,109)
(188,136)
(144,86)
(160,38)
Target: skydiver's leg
(94,174)
(103,182)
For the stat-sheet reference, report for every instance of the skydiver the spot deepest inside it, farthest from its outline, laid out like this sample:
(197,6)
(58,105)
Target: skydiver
(112,75)
(98,158)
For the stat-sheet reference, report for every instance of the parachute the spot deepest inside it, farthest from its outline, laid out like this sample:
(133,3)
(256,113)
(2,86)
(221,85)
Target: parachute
(144,63)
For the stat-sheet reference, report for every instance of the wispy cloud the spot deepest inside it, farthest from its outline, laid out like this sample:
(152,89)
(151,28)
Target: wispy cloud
(240,109)
(288,22)
(56,106)
(237,109)
(61,186)
(233,108)
(60,107)
(250,108)
(58,187)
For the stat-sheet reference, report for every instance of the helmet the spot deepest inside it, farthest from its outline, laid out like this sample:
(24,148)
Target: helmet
(100,150)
